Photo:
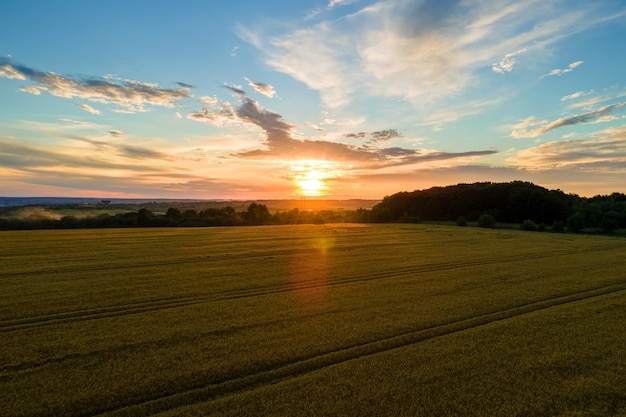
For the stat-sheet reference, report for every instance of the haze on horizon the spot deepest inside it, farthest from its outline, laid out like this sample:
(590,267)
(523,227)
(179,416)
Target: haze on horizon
(331,99)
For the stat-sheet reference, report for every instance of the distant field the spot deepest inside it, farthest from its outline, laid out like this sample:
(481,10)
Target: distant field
(354,320)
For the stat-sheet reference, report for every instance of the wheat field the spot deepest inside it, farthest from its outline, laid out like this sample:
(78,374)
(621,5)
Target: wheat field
(311,320)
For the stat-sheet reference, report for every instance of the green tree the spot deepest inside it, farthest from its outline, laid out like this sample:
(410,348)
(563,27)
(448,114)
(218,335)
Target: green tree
(144,217)
(487,221)
(529,225)
(257,214)
(575,222)
(173,213)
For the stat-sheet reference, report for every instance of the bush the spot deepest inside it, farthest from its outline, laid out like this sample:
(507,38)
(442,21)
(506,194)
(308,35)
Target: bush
(575,222)
(460,221)
(529,225)
(487,221)
(410,219)
(558,227)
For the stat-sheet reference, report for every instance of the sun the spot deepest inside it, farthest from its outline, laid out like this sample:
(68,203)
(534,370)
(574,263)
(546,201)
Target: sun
(311,186)
(311,177)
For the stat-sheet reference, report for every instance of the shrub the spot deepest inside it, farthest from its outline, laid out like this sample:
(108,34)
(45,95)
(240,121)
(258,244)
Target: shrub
(575,222)
(487,221)
(460,221)
(529,225)
(558,227)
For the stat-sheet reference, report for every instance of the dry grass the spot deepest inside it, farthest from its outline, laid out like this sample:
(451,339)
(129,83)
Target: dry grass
(311,320)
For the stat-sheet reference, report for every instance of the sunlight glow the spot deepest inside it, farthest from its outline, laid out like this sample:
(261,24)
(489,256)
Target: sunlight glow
(311,177)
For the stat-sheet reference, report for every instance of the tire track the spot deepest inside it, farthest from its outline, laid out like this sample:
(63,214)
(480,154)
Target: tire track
(9,325)
(199,393)
(172,340)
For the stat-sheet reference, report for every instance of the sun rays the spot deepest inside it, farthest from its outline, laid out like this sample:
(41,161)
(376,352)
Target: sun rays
(312,178)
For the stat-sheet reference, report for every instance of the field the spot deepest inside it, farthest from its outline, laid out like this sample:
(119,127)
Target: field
(324,320)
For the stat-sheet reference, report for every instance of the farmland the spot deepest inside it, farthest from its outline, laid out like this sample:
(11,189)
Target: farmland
(311,320)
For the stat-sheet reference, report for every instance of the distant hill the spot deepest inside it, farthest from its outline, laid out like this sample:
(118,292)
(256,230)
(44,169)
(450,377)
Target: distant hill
(46,201)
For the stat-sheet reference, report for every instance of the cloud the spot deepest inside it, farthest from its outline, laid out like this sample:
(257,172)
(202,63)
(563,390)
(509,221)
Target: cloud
(280,143)
(531,128)
(31,90)
(90,109)
(131,96)
(237,89)
(265,89)
(572,96)
(333,3)
(604,150)
(184,85)
(507,63)
(209,101)
(560,72)
(421,52)
(377,136)
(218,115)
(7,70)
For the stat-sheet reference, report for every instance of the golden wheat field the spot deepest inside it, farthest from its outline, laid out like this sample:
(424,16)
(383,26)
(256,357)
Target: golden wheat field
(311,320)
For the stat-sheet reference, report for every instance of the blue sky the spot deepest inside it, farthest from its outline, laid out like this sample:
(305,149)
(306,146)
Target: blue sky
(333,99)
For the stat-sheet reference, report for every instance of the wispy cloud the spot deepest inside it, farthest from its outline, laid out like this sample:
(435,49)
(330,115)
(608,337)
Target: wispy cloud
(507,63)
(573,96)
(604,150)
(265,89)
(531,128)
(90,109)
(333,3)
(560,72)
(418,51)
(131,96)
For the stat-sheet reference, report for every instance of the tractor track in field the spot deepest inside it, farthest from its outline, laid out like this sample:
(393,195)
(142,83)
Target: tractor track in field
(63,317)
(296,367)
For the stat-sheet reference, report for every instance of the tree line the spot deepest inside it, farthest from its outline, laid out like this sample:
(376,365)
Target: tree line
(485,204)
(255,214)
(523,203)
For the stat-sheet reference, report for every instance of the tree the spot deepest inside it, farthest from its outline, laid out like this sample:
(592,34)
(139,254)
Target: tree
(575,222)
(173,213)
(257,214)
(487,221)
(529,225)
(144,217)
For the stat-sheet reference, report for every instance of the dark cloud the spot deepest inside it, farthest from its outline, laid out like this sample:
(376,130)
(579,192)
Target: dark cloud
(280,143)
(125,150)
(584,118)
(131,95)
(359,135)
(262,88)
(378,136)
(136,152)
(184,85)
(235,89)
(589,117)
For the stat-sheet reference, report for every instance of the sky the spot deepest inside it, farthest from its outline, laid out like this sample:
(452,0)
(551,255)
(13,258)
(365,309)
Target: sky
(336,99)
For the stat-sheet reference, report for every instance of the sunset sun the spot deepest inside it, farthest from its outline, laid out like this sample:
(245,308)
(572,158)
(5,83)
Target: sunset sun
(311,177)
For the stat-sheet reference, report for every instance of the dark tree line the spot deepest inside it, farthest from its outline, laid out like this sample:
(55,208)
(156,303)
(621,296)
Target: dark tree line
(255,214)
(531,206)
(485,204)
